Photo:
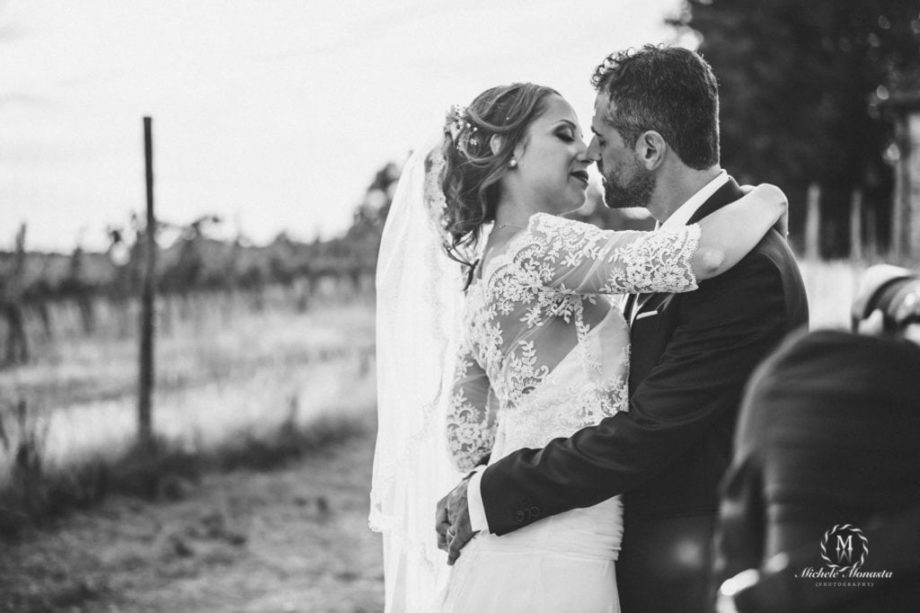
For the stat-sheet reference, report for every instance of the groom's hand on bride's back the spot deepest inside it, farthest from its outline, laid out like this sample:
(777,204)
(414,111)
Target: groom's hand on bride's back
(452,522)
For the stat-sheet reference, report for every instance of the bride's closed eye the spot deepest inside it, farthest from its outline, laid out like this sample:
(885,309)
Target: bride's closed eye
(566,135)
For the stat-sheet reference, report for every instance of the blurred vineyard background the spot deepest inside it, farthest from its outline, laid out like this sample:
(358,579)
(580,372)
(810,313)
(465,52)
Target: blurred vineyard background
(264,353)
(264,356)
(249,339)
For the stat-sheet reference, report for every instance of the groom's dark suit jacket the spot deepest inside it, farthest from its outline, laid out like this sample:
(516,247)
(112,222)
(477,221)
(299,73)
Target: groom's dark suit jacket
(691,356)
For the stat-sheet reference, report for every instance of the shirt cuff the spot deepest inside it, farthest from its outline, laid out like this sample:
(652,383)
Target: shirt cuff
(474,501)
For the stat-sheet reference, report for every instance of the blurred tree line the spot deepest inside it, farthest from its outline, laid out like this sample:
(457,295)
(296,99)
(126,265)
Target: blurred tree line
(803,87)
(191,259)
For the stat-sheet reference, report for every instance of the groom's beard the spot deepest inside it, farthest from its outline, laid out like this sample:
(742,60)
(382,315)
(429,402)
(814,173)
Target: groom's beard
(636,192)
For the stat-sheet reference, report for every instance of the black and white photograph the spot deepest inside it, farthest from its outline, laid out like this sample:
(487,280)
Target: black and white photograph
(442,307)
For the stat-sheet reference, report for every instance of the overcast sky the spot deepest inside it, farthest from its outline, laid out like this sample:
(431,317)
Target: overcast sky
(274,114)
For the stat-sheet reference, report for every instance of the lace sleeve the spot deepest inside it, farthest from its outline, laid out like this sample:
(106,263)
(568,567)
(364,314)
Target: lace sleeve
(581,258)
(470,415)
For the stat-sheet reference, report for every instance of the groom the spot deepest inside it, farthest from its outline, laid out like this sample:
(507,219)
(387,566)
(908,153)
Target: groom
(656,143)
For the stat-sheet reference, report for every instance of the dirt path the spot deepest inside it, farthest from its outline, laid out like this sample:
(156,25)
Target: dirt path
(292,540)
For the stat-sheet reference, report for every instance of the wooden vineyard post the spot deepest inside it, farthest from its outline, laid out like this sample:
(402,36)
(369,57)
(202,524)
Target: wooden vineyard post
(813,224)
(146,376)
(856,207)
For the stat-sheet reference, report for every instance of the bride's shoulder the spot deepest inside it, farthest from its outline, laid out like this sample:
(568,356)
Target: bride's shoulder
(551,235)
(546,224)
(546,221)
(545,236)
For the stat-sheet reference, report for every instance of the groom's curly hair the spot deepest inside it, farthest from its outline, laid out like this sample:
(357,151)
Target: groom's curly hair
(667,89)
(472,170)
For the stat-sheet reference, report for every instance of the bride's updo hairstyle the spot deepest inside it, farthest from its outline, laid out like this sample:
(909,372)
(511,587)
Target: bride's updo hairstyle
(472,171)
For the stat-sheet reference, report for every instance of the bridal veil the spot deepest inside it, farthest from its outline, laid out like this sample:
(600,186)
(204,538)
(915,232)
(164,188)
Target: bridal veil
(419,302)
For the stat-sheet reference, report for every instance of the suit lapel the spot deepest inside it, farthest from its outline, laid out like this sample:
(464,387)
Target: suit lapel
(642,302)
(726,194)
(629,307)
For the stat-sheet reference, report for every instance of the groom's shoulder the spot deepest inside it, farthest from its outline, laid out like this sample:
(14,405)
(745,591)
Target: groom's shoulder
(775,249)
(768,276)
(777,257)
(770,259)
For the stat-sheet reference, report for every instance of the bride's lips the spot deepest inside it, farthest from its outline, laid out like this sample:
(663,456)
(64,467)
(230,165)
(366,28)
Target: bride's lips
(581,175)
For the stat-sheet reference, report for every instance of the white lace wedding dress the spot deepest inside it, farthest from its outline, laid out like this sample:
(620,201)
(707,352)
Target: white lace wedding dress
(546,353)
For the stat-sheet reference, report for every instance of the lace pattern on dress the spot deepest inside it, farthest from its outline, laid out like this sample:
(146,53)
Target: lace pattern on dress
(532,306)
(471,425)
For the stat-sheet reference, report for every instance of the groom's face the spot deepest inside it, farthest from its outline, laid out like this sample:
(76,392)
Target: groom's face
(627,183)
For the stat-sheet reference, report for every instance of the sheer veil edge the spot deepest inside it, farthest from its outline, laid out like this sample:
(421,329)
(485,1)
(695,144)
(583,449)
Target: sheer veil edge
(419,312)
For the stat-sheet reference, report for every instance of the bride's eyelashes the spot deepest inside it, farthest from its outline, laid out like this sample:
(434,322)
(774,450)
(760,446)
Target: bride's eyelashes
(565,135)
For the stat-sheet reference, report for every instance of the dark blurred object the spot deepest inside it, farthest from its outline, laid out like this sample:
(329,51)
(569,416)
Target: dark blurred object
(827,438)
(893,291)
(895,540)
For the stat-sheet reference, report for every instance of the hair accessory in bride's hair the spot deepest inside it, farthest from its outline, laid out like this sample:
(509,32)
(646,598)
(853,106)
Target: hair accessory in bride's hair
(456,119)
(462,132)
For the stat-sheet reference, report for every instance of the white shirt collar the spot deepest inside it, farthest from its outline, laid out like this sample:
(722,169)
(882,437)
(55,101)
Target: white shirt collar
(682,215)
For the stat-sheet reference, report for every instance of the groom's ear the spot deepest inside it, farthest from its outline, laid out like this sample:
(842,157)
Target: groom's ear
(651,148)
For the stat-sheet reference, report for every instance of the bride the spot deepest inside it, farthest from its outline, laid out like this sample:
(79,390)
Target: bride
(527,345)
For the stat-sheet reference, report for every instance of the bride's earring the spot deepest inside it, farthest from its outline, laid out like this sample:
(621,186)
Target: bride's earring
(513,163)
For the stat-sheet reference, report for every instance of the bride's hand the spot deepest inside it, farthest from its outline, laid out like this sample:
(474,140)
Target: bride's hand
(452,522)
(730,233)
(782,224)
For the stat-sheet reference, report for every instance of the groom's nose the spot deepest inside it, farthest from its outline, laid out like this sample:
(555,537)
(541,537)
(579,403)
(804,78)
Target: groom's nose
(594,151)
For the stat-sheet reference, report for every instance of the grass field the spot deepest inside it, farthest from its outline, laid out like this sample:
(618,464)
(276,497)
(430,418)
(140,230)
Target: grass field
(291,540)
(220,373)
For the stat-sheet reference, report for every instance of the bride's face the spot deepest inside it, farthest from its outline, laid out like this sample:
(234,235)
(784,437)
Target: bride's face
(552,160)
